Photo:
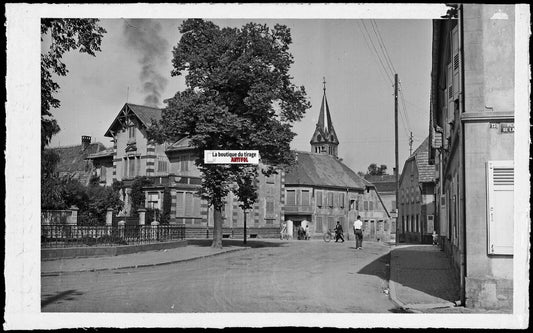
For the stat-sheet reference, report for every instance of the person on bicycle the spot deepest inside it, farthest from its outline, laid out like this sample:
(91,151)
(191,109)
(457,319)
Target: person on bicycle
(338,232)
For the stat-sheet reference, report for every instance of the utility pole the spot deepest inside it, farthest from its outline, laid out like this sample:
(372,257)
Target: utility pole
(396,154)
(411,144)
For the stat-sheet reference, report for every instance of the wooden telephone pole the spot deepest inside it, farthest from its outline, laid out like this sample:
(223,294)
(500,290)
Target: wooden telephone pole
(396,154)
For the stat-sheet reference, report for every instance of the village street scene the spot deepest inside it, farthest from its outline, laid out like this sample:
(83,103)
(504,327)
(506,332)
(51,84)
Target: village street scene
(271,165)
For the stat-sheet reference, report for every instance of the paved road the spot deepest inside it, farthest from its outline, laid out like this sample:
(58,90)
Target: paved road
(297,276)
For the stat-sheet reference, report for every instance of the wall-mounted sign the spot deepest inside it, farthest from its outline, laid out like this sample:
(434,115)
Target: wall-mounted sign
(507,128)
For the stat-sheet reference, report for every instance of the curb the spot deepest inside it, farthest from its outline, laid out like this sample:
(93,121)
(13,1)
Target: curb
(138,266)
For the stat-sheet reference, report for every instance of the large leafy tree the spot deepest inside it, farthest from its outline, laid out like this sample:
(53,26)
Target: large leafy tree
(239,95)
(63,35)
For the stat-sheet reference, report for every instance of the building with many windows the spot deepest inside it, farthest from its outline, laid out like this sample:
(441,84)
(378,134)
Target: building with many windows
(322,190)
(171,169)
(416,197)
(472,146)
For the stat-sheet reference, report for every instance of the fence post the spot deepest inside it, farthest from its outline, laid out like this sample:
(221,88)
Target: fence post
(109,220)
(121,227)
(142,216)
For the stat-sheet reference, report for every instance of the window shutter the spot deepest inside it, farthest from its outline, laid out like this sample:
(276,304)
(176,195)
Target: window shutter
(188,204)
(500,207)
(197,202)
(291,197)
(180,208)
(455,63)
(319,199)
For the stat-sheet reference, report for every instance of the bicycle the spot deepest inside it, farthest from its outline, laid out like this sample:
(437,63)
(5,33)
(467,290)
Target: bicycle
(328,236)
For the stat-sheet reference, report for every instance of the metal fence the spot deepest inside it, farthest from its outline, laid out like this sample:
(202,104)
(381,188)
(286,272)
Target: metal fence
(61,235)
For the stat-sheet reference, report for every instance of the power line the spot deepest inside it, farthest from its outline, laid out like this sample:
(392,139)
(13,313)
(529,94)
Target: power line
(376,51)
(382,46)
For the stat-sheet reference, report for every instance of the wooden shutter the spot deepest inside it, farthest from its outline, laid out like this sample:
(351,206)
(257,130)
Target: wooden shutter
(180,207)
(319,198)
(455,63)
(291,197)
(188,204)
(197,203)
(500,207)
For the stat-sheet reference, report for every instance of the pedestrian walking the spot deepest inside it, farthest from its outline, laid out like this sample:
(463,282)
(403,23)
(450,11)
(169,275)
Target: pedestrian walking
(358,231)
(283,231)
(338,232)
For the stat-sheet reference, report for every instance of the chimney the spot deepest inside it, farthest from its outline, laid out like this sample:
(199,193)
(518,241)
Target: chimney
(85,141)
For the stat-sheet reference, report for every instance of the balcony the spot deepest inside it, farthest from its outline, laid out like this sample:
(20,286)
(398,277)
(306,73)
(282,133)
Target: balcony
(300,209)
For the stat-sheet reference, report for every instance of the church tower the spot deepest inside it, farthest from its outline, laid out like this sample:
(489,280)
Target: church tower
(324,140)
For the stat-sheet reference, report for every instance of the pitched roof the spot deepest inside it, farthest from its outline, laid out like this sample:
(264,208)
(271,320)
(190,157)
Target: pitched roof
(104,153)
(145,114)
(181,144)
(323,170)
(426,172)
(383,183)
(72,158)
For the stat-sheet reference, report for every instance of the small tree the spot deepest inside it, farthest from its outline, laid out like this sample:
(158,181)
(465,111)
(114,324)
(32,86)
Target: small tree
(234,79)
(246,192)
(137,193)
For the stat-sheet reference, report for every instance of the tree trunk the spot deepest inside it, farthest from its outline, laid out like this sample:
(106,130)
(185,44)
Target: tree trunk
(217,228)
(244,227)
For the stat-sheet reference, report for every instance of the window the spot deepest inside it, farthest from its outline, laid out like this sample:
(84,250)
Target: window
(269,207)
(371,205)
(162,165)
(184,162)
(430,225)
(319,198)
(341,200)
(330,199)
(417,225)
(365,205)
(131,132)
(500,207)
(352,204)
(291,197)
(306,198)
(152,200)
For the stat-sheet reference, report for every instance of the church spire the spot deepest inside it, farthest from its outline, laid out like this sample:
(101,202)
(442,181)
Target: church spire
(324,139)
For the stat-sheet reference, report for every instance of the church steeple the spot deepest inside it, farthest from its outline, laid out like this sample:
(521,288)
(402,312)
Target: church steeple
(324,139)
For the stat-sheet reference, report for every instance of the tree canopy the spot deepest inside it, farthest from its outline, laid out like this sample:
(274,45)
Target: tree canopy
(239,96)
(375,170)
(84,35)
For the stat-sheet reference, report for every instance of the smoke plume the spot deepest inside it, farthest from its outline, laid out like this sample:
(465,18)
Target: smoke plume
(143,35)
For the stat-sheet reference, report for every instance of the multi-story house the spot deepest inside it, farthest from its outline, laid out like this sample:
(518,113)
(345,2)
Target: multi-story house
(472,146)
(73,162)
(417,198)
(386,187)
(322,190)
(171,169)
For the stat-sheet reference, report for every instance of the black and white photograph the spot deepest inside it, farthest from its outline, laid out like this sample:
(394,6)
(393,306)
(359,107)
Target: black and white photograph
(267,165)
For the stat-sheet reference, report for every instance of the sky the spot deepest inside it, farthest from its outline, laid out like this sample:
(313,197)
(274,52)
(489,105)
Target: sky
(134,66)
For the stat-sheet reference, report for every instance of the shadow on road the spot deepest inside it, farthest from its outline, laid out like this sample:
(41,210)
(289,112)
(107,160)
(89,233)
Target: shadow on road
(252,243)
(378,267)
(62,295)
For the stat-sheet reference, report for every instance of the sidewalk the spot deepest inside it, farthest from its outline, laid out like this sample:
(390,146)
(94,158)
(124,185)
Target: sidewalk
(421,278)
(134,260)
